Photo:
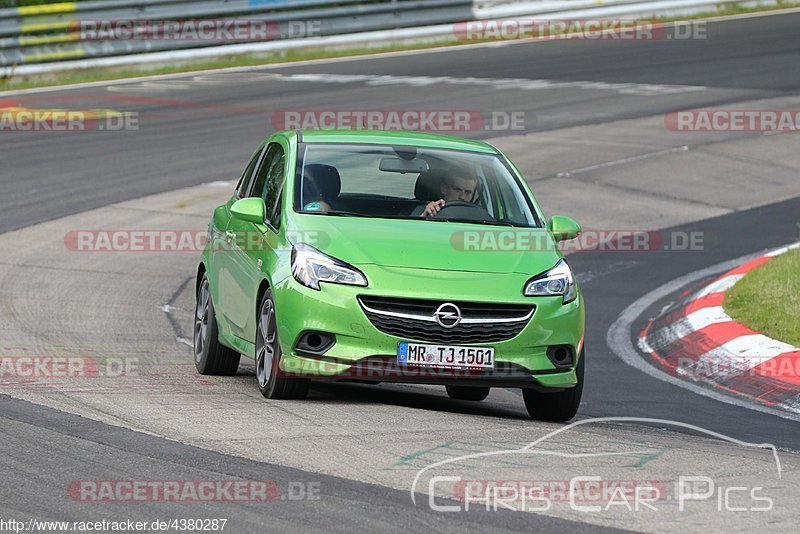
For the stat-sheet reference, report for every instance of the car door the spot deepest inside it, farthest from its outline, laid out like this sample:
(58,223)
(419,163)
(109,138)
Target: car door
(250,245)
(216,232)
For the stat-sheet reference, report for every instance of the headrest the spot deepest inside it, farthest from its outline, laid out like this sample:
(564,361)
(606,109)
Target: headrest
(320,181)
(428,186)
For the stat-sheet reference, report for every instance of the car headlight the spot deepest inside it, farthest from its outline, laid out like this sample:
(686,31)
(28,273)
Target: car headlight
(556,281)
(310,267)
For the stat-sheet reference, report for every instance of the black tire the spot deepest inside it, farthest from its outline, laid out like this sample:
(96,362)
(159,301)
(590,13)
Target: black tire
(469,393)
(273,385)
(557,407)
(210,356)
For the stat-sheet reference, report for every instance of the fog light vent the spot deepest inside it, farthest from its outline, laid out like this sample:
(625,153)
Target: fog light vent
(561,355)
(316,343)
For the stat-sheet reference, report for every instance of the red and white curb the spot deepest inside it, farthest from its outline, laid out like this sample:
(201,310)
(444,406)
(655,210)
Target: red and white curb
(696,340)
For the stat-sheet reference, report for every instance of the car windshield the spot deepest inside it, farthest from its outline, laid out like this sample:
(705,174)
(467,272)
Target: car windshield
(400,181)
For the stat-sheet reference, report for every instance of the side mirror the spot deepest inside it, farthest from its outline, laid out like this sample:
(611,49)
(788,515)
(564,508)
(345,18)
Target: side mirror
(250,209)
(563,228)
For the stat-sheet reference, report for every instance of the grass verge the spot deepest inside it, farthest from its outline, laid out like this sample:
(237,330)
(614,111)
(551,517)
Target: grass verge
(767,299)
(117,73)
(244,60)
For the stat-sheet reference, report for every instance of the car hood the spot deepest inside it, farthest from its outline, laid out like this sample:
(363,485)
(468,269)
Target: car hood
(427,244)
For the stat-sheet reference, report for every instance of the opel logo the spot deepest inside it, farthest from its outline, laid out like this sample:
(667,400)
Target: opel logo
(447,315)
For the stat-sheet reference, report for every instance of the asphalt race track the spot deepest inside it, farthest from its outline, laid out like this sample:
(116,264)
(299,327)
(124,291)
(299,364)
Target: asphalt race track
(594,146)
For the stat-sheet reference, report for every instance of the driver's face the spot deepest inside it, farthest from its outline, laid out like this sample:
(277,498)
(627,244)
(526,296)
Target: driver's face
(459,189)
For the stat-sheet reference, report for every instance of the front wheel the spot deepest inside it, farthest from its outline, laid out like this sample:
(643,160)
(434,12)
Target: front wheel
(268,356)
(556,407)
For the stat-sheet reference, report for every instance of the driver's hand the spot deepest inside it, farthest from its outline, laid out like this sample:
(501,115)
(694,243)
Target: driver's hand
(433,208)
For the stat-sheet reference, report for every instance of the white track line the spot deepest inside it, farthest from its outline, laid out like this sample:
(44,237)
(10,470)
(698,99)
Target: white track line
(742,354)
(518,84)
(720,286)
(622,161)
(686,325)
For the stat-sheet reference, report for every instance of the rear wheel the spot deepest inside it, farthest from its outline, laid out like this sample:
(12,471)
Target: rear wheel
(467,393)
(557,407)
(271,383)
(210,356)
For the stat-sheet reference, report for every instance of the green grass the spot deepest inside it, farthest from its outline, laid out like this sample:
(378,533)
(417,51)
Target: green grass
(767,299)
(116,73)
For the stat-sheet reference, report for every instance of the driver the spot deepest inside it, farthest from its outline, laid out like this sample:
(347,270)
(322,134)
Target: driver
(458,186)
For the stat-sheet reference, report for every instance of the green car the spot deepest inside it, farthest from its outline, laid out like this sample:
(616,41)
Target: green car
(390,257)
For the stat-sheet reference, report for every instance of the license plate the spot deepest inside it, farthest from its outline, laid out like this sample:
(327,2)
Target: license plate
(446,356)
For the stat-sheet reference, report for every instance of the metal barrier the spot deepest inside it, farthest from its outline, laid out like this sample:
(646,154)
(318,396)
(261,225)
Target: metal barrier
(35,38)
(61,33)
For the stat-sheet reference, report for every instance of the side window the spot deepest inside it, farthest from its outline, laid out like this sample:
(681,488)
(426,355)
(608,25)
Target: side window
(247,175)
(269,181)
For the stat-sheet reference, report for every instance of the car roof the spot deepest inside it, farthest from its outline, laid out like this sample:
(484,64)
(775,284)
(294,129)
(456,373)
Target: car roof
(419,139)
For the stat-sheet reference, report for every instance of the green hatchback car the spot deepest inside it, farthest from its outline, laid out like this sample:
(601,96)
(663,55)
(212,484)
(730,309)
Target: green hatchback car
(390,257)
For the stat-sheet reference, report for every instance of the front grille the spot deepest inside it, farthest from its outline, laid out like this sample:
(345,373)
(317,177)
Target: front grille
(413,319)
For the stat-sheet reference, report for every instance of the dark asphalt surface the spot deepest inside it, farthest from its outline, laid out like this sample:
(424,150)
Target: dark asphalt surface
(62,445)
(614,388)
(205,133)
(202,132)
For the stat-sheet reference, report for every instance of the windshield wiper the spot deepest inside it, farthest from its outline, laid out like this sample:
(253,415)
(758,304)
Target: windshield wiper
(338,213)
(484,222)
(515,224)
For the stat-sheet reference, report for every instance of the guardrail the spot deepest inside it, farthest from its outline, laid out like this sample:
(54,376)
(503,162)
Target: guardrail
(35,39)
(62,32)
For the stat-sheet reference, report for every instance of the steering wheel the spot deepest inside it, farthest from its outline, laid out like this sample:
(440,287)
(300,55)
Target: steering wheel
(461,209)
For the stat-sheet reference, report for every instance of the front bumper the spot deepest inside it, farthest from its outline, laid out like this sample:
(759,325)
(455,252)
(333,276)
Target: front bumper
(364,353)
